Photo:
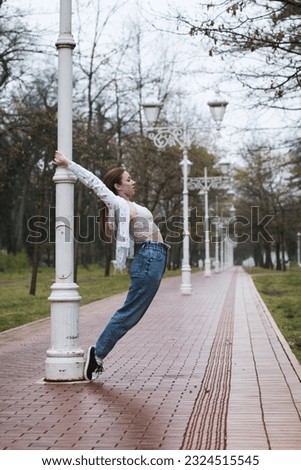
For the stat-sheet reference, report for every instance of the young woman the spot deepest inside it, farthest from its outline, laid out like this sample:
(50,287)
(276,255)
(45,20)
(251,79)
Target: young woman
(135,224)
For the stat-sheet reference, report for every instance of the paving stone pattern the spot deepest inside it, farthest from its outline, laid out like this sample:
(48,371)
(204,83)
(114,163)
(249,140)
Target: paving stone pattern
(206,371)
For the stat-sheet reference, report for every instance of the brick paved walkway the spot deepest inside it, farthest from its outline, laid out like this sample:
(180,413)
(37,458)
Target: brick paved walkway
(206,371)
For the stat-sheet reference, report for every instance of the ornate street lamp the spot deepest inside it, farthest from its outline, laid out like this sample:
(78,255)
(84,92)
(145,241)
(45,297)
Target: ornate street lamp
(224,167)
(65,358)
(218,108)
(151,111)
(163,137)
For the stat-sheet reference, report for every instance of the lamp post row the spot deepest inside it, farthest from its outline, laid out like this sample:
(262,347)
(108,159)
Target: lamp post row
(204,184)
(181,136)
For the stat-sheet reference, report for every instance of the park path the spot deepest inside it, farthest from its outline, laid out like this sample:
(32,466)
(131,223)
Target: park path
(205,371)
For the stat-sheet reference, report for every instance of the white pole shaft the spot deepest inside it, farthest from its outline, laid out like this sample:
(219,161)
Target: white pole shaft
(65,358)
(186,287)
(216,249)
(207,240)
(222,249)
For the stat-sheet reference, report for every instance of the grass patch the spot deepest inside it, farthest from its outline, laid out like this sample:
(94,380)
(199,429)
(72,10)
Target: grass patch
(282,295)
(17,307)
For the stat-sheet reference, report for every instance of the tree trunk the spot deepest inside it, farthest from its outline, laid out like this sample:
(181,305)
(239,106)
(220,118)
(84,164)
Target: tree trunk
(35,267)
(283,252)
(278,260)
(36,248)
(77,231)
(258,259)
(108,258)
(268,259)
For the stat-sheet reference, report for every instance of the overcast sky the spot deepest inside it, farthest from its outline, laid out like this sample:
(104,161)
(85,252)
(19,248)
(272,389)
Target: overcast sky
(238,117)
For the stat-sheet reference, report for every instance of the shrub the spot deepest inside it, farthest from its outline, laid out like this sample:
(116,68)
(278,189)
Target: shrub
(14,263)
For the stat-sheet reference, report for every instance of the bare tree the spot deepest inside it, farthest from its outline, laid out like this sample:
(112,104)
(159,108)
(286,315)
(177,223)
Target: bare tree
(116,82)
(16,42)
(268,31)
(263,188)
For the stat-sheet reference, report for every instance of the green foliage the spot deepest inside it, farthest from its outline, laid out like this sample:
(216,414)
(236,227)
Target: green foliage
(10,263)
(17,307)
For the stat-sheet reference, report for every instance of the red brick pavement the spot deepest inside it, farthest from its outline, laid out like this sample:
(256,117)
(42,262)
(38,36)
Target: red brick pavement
(206,371)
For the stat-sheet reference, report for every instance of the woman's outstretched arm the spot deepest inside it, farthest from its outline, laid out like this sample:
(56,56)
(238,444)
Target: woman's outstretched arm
(88,179)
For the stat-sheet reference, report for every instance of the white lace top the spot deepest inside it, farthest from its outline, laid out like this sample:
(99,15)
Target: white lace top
(142,226)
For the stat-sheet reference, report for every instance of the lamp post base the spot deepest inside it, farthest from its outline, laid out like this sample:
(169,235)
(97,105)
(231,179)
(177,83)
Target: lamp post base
(61,368)
(65,358)
(216,269)
(186,288)
(207,271)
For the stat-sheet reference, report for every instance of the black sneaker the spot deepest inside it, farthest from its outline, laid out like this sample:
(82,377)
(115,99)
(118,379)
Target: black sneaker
(91,365)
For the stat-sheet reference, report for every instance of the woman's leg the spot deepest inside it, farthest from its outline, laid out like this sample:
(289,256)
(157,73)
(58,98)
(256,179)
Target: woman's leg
(139,297)
(146,272)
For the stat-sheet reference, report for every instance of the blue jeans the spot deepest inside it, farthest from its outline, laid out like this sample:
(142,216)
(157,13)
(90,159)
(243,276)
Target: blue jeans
(146,272)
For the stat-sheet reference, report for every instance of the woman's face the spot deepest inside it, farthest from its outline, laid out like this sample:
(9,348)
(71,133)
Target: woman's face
(126,188)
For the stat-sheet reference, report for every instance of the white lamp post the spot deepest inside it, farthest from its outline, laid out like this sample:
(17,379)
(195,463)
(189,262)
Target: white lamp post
(226,244)
(217,264)
(204,184)
(186,287)
(222,263)
(207,235)
(162,137)
(65,358)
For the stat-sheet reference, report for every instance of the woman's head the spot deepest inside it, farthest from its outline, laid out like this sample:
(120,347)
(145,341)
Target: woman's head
(113,177)
(120,182)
